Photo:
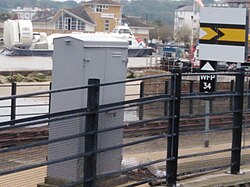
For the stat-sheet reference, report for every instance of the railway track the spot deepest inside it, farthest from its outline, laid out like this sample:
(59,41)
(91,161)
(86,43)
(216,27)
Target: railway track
(154,128)
(26,135)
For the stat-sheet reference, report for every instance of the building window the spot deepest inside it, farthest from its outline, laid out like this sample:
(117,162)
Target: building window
(106,25)
(99,8)
(60,23)
(67,23)
(56,25)
(27,15)
(73,24)
(80,25)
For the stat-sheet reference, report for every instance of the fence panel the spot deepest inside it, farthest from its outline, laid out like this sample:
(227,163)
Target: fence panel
(163,130)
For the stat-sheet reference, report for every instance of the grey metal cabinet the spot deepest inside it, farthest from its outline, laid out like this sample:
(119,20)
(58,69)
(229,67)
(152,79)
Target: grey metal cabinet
(77,58)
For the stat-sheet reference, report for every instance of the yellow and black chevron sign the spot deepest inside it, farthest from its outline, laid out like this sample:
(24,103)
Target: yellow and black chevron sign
(223,34)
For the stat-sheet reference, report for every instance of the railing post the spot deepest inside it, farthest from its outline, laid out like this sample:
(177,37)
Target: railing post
(191,90)
(173,129)
(50,87)
(248,99)
(237,122)
(166,102)
(91,130)
(141,108)
(13,103)
(231,99)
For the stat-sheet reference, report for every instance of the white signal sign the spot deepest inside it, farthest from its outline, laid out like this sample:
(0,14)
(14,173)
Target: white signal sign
(208,82)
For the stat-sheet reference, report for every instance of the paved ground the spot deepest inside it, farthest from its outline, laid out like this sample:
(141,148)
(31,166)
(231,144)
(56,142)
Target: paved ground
(35,63)
(28,178)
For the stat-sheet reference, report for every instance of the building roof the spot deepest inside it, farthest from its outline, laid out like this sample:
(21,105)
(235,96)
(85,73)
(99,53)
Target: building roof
(81,13)
(78,12)
(133,21)
(103,2)
(43,15)
(187,9)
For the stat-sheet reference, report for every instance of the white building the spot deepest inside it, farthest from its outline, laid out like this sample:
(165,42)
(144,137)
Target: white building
(25,13)
(185,20)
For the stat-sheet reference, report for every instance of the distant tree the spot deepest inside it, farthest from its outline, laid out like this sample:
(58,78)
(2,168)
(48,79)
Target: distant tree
(183,35)
(7,4)
(4,16)
(164,33)
(158,23)
(153,10)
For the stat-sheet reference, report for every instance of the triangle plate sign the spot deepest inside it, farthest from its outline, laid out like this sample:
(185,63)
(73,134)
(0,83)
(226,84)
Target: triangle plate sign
(208,81)
(207,67)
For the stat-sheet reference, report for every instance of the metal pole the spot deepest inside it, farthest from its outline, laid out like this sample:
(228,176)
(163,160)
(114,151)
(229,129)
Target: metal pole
(191,90)
(166,102)
(50,87)
(248,95)
(173,129)
(192,33)
(231,98)
(141,108)
(237,122)
(207,120)
(13,102)
(91,129)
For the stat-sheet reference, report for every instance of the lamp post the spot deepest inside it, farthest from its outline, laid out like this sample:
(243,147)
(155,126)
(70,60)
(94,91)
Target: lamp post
(192,35)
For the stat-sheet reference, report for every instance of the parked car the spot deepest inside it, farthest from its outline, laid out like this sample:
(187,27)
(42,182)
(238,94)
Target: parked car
(222,66)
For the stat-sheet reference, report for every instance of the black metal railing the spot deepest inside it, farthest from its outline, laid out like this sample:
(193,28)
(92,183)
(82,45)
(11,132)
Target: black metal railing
(153,146)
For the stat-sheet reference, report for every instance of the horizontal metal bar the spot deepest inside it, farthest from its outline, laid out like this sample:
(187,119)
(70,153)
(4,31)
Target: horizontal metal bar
(131,124)
(5,115)
(35,105)
(40,120)
(43,142)
(39,96)
(139,79)
(6,106)
(211,73)
(130,95)
(207,114)
(43,92)
(30,114)
(32,85)
(32,166)
(201,130)
(196,95)
(106,108)
(127,85)
(138,100)
(204,153)
(133,143)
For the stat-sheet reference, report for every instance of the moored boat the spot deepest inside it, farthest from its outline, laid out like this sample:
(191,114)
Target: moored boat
(20,40)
